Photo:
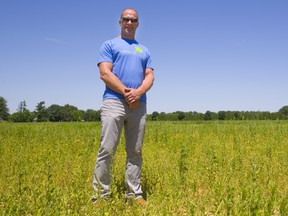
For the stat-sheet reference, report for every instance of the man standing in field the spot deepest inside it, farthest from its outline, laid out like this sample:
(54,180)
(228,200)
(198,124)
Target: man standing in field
(126,69)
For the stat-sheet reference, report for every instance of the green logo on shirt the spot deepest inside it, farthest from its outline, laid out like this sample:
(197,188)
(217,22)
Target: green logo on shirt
(138,49)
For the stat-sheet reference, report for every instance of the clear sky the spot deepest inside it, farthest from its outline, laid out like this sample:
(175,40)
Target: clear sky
(208,55)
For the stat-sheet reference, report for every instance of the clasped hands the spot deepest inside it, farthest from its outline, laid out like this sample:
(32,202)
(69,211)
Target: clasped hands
(132,98)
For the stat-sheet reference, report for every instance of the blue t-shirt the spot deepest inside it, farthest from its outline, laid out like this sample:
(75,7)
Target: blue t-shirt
(129,60)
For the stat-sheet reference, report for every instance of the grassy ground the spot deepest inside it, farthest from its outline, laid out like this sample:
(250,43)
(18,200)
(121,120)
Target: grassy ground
(190,168)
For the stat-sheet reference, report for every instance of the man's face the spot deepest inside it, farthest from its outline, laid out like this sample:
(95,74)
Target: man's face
(129,23)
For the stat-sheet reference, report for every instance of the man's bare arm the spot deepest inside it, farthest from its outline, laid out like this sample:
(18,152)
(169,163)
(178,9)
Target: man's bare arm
(110,79)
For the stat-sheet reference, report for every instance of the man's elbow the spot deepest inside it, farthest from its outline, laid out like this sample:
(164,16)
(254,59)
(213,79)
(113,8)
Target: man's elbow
(152,79)
(104,76)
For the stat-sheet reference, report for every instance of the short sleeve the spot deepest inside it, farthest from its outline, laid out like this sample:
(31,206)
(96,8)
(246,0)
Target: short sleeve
(105,54)
(149,61)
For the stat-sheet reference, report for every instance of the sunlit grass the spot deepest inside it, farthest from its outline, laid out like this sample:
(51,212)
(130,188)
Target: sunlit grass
(190,168)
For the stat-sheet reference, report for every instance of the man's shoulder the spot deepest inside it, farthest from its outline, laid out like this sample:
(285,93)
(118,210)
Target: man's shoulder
(108,44)
(112,41)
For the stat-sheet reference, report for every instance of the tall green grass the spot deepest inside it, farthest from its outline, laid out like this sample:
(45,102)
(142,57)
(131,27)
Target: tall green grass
(190,168)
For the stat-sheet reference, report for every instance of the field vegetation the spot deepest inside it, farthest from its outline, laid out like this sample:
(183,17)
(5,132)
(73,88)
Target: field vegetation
(190,168)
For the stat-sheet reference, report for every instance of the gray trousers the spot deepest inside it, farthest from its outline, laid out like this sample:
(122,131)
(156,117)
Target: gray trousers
(116,114)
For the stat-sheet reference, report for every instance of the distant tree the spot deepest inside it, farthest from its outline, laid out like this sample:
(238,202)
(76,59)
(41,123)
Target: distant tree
(180,115)
(237,115)
(22,106)
(68,111)
(24,116)
(41,112)
(198,116)
(162,116)
(77,115)
(64,113)
(208,116)
(4,111)
(274,116)
(264,116)
(92,115)
(154,116)
(55,113)
(221,115)
(284,110)
(172,116)
(40,106)
(189,116)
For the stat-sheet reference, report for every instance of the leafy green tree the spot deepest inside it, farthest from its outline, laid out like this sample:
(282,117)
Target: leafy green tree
(284,110)
(41,112)
(208,116)
(92,115)
(77,115)
(162,116)
(237,115)
(172,116)
(24,116)
(154,116)
(22,106)
(221,115)
(180,115)
(64,113)
(198,116)
(4,111)
(55,113)
(68,111)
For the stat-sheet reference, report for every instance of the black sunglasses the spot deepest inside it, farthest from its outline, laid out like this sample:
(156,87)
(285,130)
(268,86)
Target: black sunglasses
(127,19)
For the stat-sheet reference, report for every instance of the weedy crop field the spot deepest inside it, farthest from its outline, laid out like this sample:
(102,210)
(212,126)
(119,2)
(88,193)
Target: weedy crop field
(190,168)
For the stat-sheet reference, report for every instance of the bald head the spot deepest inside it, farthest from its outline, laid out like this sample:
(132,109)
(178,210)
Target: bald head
(131,10)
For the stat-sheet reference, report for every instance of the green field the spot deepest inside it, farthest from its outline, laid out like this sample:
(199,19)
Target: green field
(190,168)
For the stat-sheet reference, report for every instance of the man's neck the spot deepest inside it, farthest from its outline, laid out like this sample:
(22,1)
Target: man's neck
(127,37)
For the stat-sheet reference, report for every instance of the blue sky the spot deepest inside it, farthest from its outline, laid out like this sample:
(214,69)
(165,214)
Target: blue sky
(208,55)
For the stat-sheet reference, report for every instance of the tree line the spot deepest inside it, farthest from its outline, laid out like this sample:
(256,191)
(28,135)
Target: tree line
(221,115)
(69,113)
(53,113)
